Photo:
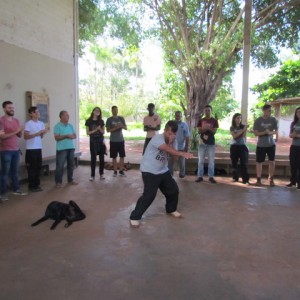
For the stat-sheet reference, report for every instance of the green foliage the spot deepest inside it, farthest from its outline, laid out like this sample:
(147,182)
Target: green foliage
(202,40)
(224,103)
(194,141)
(85,109)
(113,18)
(276,26)
(173,96)
(284,84)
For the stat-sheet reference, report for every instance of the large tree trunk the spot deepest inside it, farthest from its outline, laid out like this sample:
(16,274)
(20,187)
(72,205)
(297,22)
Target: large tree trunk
(201,90)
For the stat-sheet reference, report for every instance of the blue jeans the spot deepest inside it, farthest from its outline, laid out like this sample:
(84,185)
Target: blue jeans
(181,164)
(208,150)
(10,162)
(63,156)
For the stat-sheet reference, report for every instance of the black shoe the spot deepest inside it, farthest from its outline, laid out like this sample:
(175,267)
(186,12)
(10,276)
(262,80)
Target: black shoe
(37,189)
(246,182)
(212,180)
(199,179)
(290,184)
(121,173)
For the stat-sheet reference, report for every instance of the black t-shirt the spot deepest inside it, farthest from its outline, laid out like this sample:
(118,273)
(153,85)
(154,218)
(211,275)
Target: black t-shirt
(93,124)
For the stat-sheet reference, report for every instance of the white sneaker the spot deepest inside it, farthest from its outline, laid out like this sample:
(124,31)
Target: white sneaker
(134,223)
(102,177)
(4,197)
(20,193)
(92,178)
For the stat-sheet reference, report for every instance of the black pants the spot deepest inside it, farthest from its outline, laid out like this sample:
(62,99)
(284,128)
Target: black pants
(239,153)
(295,164)
(97,148)
(152,183)
(33,160)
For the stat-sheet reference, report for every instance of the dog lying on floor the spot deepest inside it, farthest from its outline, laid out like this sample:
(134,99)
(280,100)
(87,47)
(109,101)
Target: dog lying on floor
(59,211)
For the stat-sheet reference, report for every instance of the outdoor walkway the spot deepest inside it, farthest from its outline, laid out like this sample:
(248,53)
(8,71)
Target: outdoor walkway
(235,242)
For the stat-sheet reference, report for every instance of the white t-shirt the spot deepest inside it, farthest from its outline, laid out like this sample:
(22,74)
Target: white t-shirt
(154,160)
(33,127)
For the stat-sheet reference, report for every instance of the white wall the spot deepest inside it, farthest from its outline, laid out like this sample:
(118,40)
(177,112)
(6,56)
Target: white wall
(42,26)
(28,71)
(37,54)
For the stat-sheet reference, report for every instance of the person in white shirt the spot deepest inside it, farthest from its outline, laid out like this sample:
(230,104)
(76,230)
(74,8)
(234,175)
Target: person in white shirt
(156,175)
(151,124)
(33,134)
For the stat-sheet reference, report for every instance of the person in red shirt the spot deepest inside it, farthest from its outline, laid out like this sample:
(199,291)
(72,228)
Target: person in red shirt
(207,127)
(10,150)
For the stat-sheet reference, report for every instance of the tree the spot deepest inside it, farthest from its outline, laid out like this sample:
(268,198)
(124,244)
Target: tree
(284,84)
(203,39)
(114,18)
(174,98)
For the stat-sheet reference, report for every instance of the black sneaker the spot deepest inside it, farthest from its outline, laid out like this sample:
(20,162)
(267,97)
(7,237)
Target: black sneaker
(115,174)
(37,189)
(199,179)
(212,180)
(121,173)
(290,184)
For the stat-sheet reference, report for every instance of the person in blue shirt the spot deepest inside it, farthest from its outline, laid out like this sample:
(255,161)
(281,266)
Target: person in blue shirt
(181,144)
(64,135)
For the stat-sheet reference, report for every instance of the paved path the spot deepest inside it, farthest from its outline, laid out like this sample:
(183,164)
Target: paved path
(235,242)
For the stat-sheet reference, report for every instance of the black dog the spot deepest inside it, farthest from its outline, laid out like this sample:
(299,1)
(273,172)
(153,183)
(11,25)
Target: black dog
(59,211)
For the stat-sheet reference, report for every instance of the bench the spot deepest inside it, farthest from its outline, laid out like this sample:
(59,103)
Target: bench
(223,161)
(47,160)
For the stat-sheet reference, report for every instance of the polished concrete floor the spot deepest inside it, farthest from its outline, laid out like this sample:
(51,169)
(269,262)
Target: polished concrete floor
(234,242)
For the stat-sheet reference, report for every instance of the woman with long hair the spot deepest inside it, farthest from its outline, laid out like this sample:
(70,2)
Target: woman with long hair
(295,150)
(238,149)
(95,129)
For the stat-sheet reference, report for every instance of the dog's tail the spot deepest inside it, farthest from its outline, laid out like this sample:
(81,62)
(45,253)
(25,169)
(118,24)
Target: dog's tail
(39,221)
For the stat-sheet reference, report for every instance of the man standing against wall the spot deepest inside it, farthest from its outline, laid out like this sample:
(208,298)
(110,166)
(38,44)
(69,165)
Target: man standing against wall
(265,127)
(64,135)
(152,124)
(115,124)
(182,144)
(10,150)
(33,134)
(207,127)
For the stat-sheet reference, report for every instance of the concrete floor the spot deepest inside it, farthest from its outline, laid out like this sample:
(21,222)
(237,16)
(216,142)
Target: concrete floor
(234,242)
